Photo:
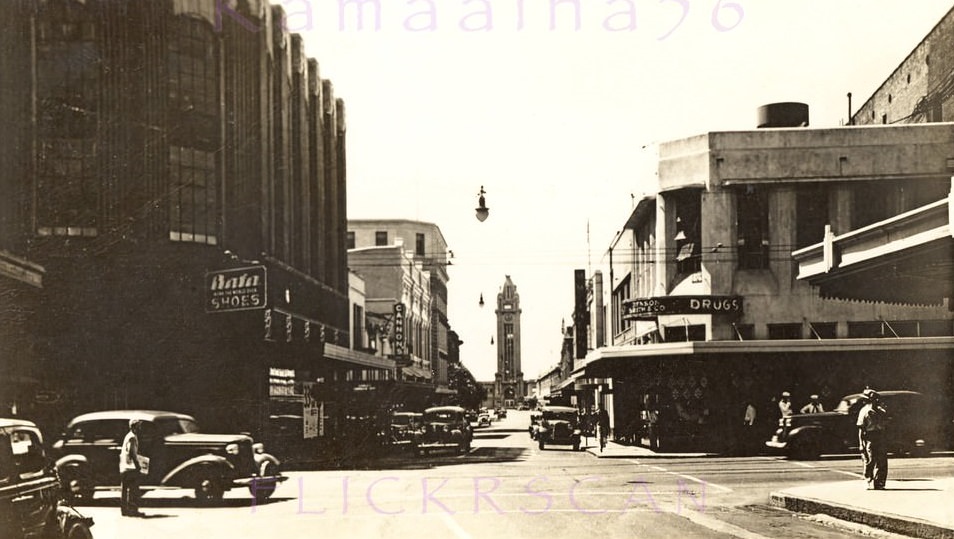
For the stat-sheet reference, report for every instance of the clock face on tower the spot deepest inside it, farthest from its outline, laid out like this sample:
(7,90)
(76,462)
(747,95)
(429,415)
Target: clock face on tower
(508,317)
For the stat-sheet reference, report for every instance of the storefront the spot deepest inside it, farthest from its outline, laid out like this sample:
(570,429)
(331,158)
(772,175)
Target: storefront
(697,392)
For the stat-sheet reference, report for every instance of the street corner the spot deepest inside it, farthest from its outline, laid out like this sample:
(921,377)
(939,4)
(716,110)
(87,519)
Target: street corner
(913,507)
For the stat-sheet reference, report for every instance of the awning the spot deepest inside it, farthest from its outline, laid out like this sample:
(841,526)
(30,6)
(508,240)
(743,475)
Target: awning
(602,362)
(340,353)
(416,372)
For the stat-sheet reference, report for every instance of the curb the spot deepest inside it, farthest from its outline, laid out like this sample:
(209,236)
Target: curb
(893,523)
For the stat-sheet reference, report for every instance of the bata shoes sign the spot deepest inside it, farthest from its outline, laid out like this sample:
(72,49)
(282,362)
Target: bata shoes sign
(238,289)
(648,308)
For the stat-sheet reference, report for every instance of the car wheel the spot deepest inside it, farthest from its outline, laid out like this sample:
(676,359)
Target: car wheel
(78,530)
(576,445)
(541,443)
(208,488)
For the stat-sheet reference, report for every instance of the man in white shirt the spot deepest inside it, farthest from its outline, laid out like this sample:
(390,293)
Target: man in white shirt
(785,404)
(813,407)
(129,471)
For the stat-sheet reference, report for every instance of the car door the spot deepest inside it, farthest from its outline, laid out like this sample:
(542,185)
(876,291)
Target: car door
(27,492)
(100,441)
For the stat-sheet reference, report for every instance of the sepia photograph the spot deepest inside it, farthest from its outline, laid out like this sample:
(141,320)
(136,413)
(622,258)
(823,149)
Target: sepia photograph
(476,268)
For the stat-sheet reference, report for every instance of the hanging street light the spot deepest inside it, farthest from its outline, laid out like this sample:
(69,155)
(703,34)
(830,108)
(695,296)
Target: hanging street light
(482,210)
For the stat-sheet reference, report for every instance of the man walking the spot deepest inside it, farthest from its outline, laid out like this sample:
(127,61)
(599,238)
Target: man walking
(871,426)
(129,471)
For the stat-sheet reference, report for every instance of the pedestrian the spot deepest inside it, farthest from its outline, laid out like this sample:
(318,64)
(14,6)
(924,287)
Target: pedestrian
(872,421)
(785,404)
(130,470)
(603,422)
(813,407)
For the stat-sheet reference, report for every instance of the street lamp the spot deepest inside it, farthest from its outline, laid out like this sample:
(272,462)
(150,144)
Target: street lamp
(482,210)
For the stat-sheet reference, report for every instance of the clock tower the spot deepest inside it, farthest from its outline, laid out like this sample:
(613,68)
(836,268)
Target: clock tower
(509,387)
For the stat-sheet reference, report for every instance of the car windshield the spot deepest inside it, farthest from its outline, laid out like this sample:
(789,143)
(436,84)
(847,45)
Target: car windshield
(440,416)
(401,419)
(560,416)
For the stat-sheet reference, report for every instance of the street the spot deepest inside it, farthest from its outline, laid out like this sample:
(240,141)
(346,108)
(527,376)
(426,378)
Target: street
(506,486)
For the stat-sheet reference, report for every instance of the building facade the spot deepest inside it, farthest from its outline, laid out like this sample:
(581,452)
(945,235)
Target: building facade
(426,245)
(706,308)
(179,181)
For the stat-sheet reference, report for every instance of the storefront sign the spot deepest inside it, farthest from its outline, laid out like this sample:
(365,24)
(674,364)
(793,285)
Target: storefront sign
(239,289)
(399,348)
(311,413)
(648,308)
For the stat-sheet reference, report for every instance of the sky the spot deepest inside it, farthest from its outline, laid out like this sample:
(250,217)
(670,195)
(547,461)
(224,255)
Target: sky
(557,119)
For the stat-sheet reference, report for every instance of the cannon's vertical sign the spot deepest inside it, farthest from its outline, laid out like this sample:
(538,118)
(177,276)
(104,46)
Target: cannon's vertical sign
(239,289)
(399,348)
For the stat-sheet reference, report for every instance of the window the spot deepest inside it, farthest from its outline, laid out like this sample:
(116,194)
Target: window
(822,330)
(784,331)
(682,333)
(419,245)
(381,237)
(620,295)
(744,332)
(357,332)
(811,215)
(68,73)
(688,232)
(752,226)
(350,239)
(192,196)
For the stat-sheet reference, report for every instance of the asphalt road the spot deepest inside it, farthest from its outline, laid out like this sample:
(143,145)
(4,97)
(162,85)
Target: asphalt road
(507,487)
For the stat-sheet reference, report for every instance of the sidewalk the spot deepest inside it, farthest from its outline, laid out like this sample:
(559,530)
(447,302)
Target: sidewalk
(913,507)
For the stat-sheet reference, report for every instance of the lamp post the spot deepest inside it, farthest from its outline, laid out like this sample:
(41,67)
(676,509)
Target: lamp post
(482,210)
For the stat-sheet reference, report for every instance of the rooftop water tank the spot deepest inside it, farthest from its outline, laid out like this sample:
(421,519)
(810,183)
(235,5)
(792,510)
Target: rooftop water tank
(783,115)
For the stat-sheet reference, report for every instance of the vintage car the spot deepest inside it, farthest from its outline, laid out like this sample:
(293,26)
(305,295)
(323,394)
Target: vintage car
(558,425)
(87,455)
(403,427)
(914,426)
(501,413)
(483,419)
(445,427)
(31,496)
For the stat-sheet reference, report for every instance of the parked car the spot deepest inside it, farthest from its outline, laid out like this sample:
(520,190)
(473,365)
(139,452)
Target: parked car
(559,425)
(179,455)
(445,427)
(32,501)
(915,425)
(403,428)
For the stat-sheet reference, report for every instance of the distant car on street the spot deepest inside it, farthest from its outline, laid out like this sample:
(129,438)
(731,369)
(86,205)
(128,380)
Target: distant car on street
(444,427)
(558,425)
(915,425)
(501,413)
(31,496)
(483,420)
(87,455)
(535,417)
(403,428)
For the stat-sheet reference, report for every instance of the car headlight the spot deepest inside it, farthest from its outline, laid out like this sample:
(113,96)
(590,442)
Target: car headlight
(232,449)
(258,448)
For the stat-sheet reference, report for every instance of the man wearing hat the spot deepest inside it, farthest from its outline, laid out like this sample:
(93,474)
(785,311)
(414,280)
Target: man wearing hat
(872,421)
(785,404)
(813,407)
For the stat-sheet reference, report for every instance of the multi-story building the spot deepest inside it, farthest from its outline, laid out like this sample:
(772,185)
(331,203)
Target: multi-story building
(431,252)
(174,178)
(706,305)
(509,386)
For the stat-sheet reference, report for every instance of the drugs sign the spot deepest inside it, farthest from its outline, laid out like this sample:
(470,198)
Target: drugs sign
(239,289)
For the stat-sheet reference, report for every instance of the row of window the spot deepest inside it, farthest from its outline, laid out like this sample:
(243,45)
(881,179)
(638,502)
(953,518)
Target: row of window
(382,239)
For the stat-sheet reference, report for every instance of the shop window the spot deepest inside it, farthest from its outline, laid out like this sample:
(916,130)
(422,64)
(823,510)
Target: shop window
(865,330)
(752,227)
(784,331)
(936,328)
(823,330)
(419,245)
(381,238)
